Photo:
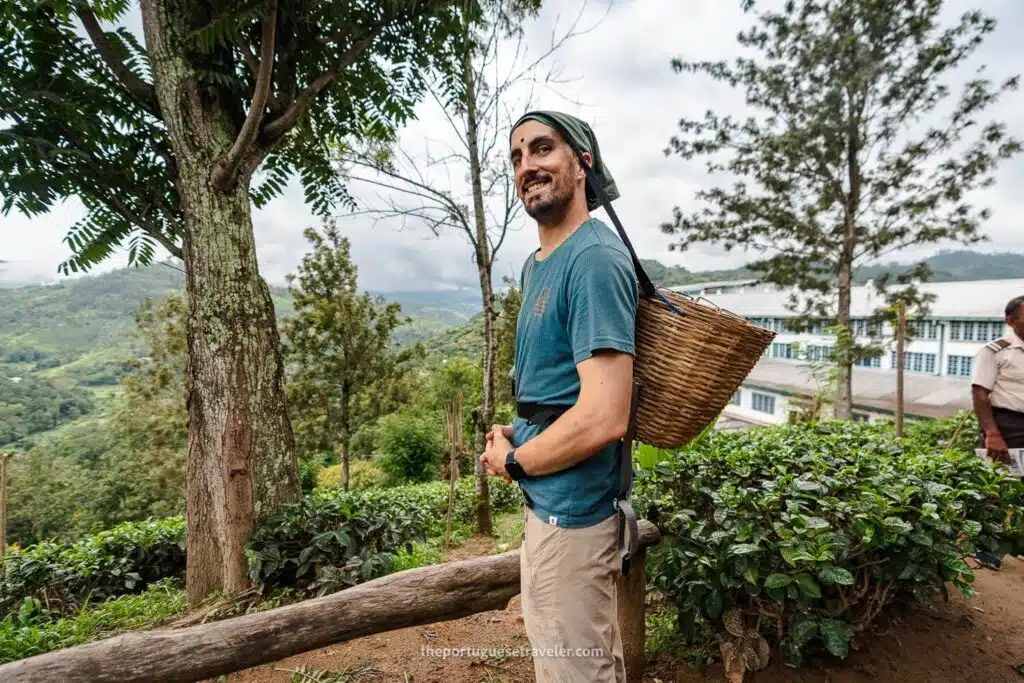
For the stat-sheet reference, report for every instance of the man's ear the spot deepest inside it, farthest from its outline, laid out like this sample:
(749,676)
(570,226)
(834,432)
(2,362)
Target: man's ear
(587,159)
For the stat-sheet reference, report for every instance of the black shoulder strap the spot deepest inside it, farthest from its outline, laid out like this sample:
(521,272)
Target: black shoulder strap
(646,286)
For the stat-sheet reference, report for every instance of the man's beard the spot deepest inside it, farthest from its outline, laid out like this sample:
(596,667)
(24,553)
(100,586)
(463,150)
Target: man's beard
(552,209)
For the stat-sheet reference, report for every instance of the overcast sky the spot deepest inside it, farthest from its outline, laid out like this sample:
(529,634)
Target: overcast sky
(623,85)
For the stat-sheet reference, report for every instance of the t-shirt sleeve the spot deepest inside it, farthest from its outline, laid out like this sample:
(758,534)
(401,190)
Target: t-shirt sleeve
(986,370)
(602,302)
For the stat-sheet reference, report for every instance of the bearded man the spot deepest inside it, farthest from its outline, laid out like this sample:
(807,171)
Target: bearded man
(574,353)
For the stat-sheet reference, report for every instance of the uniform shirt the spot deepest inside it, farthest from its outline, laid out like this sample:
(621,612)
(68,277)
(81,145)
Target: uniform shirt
(1002,373)
(580,298)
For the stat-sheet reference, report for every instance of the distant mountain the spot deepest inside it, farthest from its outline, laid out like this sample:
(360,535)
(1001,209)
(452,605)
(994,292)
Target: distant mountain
(958,265)
(947,266)
(80,329)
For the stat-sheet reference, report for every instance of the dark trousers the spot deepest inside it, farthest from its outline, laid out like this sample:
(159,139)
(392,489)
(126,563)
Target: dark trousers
(1011,426)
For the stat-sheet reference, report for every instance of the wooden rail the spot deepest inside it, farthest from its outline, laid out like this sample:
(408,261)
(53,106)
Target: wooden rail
(410,598)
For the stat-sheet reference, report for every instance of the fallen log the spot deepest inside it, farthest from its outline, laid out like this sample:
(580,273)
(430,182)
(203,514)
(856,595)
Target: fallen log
(413,597)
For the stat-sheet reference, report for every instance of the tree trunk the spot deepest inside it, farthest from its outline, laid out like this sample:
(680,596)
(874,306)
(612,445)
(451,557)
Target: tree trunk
(241,465)
(483,263)
(844,390)
(3,502)
(346,436)
(344,465)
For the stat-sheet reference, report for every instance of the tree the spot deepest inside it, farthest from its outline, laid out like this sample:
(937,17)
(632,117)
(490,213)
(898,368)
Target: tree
(836,170)
(508,307)
(237,88)
(475,99)
(340,343)
(144,473)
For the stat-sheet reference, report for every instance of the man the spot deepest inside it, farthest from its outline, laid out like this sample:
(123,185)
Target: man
(575,341)
(997,388)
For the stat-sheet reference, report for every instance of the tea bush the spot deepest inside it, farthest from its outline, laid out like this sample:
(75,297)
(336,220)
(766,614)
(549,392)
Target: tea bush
(333,539)
(801,534)
(327,540)
(125,559)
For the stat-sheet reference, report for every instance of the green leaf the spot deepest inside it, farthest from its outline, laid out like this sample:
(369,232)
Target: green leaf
(808,585)
(803,629)
(817,523)
(830,575)
(751,575)
(777,581)
(921,538)
(743,549)
(971,527)
(836,635)
(808,486)
(898,524)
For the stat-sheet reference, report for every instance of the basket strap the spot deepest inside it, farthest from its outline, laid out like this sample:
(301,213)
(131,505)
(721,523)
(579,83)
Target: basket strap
(627,544)
(646,286)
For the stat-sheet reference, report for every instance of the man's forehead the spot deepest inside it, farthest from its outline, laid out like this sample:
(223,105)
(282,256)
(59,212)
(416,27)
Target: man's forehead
(528,131)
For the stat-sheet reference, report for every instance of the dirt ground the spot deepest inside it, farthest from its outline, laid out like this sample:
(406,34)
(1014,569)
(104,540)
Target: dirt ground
(979,640)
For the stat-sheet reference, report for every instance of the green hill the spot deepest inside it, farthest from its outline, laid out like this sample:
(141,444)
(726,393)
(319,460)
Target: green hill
(80,329)
(947,266)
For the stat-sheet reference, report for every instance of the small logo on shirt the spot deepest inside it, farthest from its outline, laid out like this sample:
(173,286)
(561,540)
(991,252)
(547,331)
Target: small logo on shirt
(553,521)
(542,303)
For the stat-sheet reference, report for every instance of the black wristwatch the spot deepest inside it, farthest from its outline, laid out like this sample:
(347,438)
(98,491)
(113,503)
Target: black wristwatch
(514,469)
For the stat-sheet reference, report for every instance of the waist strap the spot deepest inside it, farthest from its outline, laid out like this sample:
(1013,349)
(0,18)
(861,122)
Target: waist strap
(540,413)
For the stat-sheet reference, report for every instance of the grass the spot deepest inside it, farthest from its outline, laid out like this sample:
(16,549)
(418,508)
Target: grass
(30,632)
(509,528)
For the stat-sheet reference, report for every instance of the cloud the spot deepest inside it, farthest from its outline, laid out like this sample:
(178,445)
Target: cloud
(620,73)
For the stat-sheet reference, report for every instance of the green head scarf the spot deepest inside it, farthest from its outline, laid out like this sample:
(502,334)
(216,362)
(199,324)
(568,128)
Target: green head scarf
(581,138)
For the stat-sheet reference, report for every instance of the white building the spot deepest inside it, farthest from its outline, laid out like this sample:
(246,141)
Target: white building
(937,361)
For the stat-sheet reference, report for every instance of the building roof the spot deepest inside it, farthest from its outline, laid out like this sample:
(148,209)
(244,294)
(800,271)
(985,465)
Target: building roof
(697,286)
(982,299)
(925,395)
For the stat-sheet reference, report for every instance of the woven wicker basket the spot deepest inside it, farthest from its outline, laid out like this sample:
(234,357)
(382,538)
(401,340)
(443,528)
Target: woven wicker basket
(689,365)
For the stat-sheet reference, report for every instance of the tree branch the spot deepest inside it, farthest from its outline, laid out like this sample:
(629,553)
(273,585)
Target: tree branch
(226,168)
(286,121)
(145,225)
(139,89)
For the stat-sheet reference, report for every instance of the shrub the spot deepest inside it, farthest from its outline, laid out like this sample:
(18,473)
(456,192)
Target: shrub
(804,533)
(333,539)
(362,474)
(411,447)
(125,559)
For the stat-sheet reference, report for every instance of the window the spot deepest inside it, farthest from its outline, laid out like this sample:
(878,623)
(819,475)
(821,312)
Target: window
(954,331)
(763,403)
(959,366)
(915,361)
(782,350)
(968,334)
(874,362)
(736,397)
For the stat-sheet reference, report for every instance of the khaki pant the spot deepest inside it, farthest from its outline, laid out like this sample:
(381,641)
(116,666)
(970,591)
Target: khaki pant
(568,595)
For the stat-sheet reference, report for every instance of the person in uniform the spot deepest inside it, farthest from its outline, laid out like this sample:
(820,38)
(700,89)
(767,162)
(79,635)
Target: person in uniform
(997,386)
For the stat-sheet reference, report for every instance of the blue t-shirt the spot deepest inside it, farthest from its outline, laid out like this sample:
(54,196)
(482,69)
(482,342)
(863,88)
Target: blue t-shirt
(581,298)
